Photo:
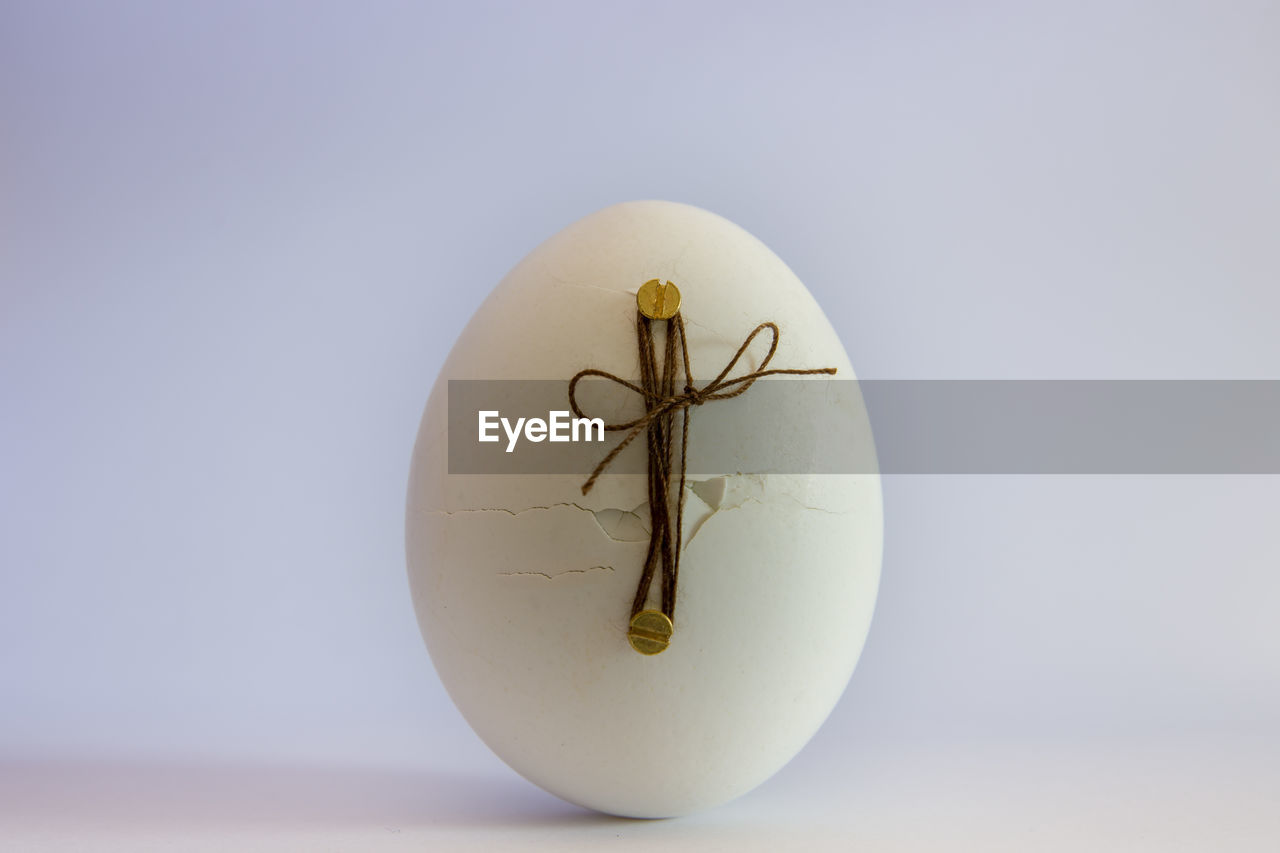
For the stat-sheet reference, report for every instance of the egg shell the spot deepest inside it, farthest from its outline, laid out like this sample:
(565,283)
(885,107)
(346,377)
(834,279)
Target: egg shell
(523,586)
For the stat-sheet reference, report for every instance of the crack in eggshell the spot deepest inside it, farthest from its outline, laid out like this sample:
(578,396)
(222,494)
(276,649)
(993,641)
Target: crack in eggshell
(609,520)
(625,525)
(553,576)
(705,500)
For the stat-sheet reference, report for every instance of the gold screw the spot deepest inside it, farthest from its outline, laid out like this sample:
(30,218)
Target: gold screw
(650,632)
(658,300)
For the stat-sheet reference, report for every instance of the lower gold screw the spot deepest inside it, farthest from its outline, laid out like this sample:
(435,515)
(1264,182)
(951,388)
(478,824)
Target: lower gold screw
(650,632)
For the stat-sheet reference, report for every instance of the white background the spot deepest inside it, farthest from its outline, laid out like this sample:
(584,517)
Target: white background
(237,240)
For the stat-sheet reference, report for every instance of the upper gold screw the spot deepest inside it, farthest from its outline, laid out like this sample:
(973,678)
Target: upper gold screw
(658,300)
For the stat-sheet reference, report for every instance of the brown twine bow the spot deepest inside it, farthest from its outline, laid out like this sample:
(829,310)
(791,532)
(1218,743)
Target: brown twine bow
(658,389)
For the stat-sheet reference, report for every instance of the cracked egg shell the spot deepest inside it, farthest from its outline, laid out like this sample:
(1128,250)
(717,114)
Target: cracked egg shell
(523,586)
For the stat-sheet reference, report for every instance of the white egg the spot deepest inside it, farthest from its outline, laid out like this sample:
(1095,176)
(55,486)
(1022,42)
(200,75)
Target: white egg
(523,585)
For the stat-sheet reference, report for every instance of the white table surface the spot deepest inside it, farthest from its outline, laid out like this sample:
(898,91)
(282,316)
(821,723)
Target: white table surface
(1210,793)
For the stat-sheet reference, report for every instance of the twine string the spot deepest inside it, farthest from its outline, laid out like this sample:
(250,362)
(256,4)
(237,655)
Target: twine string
(662,403)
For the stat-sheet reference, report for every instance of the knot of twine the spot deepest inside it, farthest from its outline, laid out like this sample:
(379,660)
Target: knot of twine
(662,402)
